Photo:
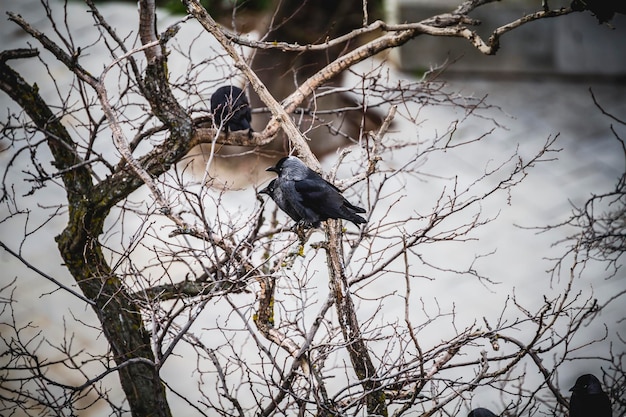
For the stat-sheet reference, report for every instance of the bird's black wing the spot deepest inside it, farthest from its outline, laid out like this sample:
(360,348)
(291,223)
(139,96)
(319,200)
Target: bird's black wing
(299,203)
(242,115)
(326,201)
(354,208)
(230,106)
(585,405)
(313,175)
(317,196)
(604,406)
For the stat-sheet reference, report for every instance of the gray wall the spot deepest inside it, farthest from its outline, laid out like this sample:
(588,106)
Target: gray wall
(572,44)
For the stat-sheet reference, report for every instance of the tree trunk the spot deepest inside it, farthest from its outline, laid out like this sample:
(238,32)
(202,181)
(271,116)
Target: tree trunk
(82,253)
(350,328)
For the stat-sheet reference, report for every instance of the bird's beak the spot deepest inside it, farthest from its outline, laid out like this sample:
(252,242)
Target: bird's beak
(265,191)
(273,169)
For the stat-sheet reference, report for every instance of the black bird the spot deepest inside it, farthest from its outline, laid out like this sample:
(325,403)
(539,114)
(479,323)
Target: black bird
(481,412)
(307,197)
(588,399)
(230,106)
(276,194)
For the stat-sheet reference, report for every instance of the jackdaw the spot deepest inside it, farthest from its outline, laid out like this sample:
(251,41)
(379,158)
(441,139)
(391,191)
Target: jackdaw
(588,399)
(481,412)
(276,194)
(306,197)
(230,106)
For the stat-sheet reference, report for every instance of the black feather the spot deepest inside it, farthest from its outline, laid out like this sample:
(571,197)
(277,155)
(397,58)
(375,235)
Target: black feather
(481,412)
(231,109)
(308,198)
(588,399)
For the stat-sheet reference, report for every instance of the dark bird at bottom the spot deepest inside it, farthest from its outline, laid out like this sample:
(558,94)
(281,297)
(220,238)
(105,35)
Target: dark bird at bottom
(481,412)
(307,197)
(588,399)
(231,109)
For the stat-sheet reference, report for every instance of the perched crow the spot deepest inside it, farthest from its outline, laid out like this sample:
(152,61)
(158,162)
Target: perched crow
(277,195)
(230,106)
(588,399)
(306,197)
(481,412)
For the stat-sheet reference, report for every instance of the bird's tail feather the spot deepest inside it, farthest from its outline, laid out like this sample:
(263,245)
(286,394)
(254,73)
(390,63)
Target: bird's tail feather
(354,208)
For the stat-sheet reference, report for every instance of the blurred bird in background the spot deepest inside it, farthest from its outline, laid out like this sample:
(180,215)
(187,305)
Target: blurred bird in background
(231,109)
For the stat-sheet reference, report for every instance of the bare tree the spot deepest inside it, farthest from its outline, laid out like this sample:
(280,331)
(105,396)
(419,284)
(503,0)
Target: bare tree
(166,267)
(599,227)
